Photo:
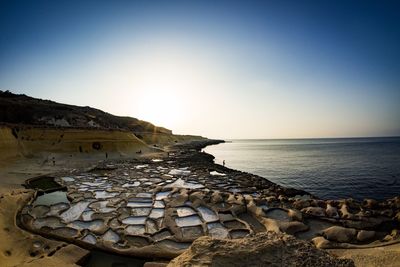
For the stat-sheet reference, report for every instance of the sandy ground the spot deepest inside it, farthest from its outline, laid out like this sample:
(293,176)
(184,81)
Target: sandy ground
(388,256)
(20,248)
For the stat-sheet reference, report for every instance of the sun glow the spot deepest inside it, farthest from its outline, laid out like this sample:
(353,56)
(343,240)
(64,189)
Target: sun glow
(161,82)
(161,107)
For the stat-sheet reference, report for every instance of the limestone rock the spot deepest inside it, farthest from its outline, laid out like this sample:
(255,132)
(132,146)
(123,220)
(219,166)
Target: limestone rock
(293,227)
(315,211)
(295,215)
(321,242)
(344,210)
(370,203)
(301,203)
(331,211)
(340,234)
(263,249)
(364,235)
(397,217)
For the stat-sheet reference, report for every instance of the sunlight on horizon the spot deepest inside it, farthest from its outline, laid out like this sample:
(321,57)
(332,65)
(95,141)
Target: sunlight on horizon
(264,70)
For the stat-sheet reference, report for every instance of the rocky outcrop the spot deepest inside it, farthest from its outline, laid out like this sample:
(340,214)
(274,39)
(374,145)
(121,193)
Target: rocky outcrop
(21,111)
(158,207)
(263,249)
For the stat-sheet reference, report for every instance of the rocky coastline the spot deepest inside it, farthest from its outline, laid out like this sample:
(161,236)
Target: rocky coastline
(156,207)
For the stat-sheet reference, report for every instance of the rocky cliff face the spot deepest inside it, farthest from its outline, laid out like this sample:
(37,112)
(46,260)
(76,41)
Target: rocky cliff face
(43,129)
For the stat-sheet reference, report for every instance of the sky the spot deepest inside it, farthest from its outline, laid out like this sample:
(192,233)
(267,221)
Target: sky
(221,69)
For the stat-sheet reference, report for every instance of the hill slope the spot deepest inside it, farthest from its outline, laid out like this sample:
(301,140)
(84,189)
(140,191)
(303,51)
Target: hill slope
(23,109)
(36,128)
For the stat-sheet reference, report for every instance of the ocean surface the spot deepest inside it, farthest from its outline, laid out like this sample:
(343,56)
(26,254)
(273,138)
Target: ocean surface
(328,168)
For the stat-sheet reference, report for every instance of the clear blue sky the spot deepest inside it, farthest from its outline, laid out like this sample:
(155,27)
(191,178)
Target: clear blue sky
(222,69)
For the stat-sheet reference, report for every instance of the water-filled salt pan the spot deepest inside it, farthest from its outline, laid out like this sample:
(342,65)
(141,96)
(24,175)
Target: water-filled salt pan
(207,214)
(74,212)
(278,214)
(52,222)
(162,195)
(141,166)
(188,221)
(91,225)
(179,172)
(134,220)
(111,236)
(101,206)
(144,195)
(185,211)
(179,183)
(135,204)
(56,209)
(131,185)
(215,173)
(87,215)
(89,238)
(104,194)
(93,184)
(217,230)
(159,204)
(67,179)
(156,213)
(51,198)
(140,211)
(135,230)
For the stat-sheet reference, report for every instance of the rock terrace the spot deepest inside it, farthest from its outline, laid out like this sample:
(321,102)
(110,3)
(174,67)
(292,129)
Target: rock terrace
(158,207)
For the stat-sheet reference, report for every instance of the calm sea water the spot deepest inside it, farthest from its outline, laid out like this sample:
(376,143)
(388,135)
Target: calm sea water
(328,168)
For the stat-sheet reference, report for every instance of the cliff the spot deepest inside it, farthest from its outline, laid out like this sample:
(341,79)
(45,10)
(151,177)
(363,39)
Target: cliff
(36,128)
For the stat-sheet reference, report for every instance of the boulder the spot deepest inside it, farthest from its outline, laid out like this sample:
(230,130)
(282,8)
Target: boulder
(314,211)
(331,211)
(397,217)
(292,227)
(295,215)
(263,249)
(340,234)
(364,235)
(344,210)
(301,203)
(370,203)
(321,242)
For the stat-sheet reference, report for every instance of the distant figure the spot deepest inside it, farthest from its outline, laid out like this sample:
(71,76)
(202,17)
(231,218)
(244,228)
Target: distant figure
(139,152)
(106,155)
(54,161)
(223,163)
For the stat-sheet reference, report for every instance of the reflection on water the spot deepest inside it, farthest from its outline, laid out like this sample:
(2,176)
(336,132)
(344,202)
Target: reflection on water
(51,198)
(328,168)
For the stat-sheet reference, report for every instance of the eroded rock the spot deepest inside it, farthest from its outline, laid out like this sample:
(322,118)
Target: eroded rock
(263,249)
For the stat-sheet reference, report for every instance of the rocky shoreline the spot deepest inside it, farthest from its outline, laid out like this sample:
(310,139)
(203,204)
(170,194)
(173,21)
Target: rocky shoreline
(156,208)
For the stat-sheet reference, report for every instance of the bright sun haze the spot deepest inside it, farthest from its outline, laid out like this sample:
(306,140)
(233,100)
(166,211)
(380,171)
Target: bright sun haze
(229,69)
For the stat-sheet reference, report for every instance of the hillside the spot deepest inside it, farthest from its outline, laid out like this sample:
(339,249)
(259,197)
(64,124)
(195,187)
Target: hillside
(22,109)
(43,129)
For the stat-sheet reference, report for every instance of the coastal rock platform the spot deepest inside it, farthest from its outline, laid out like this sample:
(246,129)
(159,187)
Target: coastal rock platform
(263,249)
(156,207)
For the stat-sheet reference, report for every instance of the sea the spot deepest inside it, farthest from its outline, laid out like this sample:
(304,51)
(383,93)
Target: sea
(331,168)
